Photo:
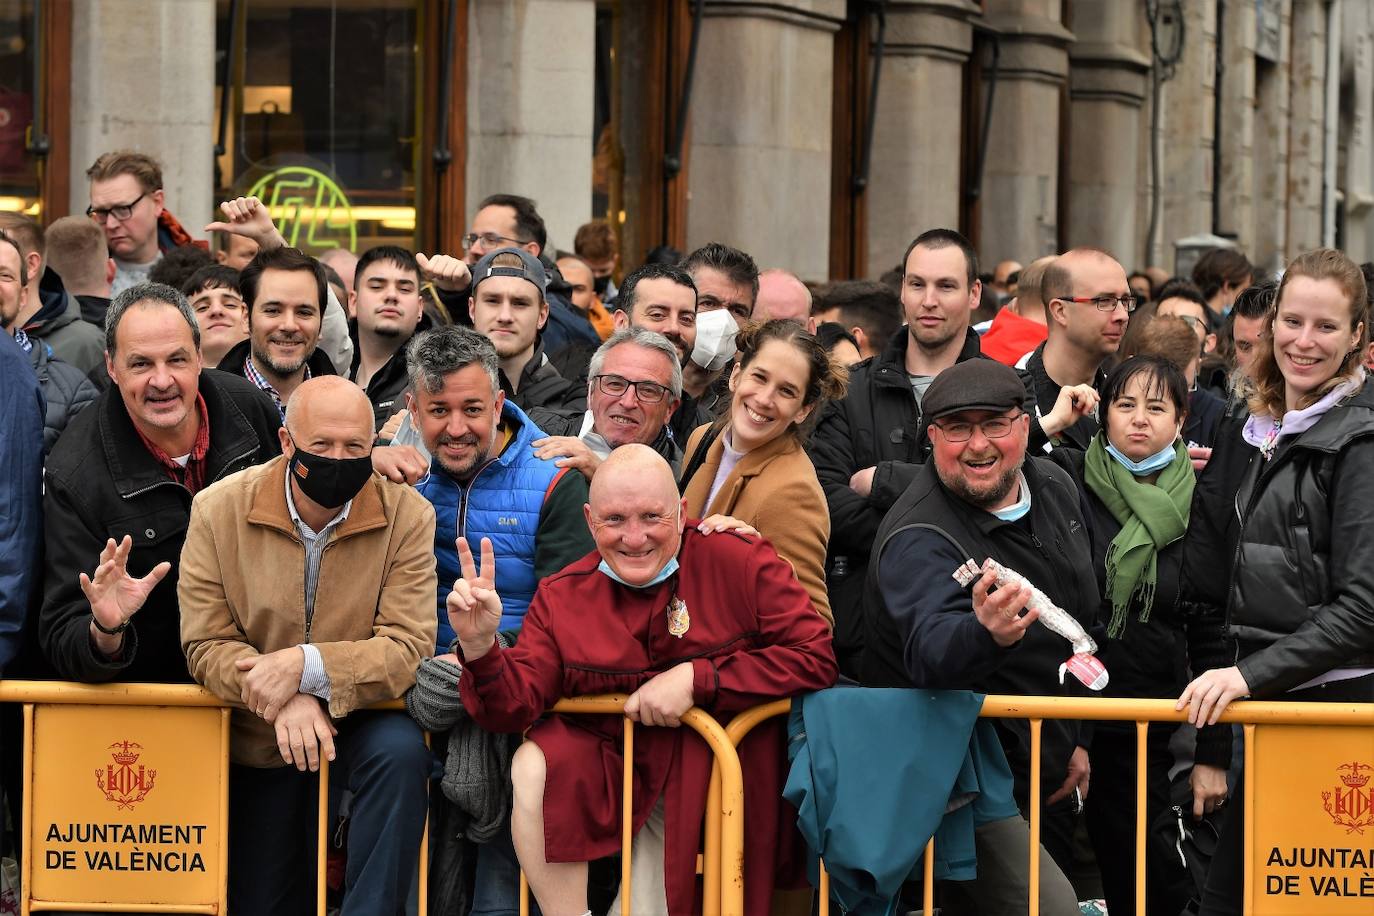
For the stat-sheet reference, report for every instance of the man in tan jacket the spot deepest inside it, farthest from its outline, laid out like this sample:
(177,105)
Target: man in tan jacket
(306,590)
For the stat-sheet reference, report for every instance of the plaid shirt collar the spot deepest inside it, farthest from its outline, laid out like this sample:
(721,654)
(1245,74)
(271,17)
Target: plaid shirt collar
(251,372)
(192,476)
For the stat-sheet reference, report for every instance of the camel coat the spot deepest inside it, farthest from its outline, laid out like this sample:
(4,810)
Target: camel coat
(774,488)
(242,593)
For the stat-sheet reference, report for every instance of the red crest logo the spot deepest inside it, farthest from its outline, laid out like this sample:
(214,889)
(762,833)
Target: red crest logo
(125,782)
(1351,804)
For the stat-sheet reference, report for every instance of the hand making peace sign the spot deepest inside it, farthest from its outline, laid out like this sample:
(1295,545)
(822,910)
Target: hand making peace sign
(474,607)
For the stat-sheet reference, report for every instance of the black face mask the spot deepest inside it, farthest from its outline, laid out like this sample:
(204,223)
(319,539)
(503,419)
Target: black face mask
(330,482)
(601,284)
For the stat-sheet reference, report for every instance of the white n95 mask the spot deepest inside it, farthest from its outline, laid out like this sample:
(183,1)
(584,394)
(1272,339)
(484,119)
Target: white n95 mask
(715,344)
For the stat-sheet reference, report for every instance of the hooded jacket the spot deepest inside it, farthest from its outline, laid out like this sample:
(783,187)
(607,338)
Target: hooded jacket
(65,389)
(541,385)
(58,322)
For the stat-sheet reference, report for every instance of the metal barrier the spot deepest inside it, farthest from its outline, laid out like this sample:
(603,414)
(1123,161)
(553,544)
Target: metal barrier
(724,807)
(157,696)
(1248,714)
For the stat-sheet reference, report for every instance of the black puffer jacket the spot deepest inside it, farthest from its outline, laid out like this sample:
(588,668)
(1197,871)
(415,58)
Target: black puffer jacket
(101,482)
(66,391)
(1298,549)
(387,385)
(542,386)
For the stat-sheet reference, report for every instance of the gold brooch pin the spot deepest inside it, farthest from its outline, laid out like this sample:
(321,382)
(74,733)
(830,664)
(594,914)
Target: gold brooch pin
(678,618)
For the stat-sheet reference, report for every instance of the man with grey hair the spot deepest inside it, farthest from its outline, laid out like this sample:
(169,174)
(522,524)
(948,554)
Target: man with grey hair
(127,467)
(633,387)
(485,481)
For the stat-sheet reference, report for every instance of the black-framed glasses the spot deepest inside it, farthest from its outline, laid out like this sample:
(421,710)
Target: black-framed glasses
(1106,303)
(488,240)
(120,212)
(616,386)
(962,430)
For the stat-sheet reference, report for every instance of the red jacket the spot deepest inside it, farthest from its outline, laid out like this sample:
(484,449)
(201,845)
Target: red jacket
(753,637)
(1011,337)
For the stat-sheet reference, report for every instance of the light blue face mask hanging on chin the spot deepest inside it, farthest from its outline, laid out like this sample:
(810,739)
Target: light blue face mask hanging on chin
(664,573)
(1156,462)
(1017,510)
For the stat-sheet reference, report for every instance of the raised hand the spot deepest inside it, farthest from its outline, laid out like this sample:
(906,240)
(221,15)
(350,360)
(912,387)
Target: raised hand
(445,271)
(114,595)
(474,607)
(1000,611)
(248,217)
(1073,403)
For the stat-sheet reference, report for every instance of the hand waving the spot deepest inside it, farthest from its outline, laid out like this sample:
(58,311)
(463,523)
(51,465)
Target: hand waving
(474,607)
(445,271)
(114,595)
(1074,403)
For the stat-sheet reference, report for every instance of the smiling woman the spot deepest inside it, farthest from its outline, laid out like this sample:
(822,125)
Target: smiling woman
(750,464)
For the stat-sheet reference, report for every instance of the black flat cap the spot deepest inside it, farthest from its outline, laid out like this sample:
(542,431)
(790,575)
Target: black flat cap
(974,384)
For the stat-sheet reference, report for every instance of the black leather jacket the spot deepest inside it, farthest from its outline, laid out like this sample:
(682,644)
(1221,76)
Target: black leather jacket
(1301,595)
(101,482)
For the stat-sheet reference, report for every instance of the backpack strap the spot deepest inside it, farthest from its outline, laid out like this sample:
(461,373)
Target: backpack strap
(698,458)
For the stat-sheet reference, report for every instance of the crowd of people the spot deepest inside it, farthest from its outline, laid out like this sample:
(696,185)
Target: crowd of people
(487,480)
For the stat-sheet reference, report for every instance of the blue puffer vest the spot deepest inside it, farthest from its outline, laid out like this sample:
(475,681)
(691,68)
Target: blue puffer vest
(501,502)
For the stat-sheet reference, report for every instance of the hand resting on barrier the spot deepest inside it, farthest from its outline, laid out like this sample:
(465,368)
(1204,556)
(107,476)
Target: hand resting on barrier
(303,732)
(271,680)
(663,699)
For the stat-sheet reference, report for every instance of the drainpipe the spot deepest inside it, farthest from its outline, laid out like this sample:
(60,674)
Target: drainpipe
(1333,102)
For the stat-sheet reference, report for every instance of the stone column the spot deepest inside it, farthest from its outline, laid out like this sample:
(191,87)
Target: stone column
(1236,130)
(1307,99)
(914,176)
(143,78)
(759,164)
(1357,139)
(1108,83)
(1021,177)
(1186,120)
(530,83)
(1269,213)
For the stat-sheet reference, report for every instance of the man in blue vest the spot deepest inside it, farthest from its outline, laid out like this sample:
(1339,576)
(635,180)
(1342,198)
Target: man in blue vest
(485,481)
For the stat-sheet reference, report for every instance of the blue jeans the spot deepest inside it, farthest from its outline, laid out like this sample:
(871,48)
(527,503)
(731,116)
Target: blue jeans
(496,891)
(382,760)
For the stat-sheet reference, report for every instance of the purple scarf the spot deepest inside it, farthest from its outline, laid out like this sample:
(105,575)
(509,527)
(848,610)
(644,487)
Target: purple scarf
(1264,432)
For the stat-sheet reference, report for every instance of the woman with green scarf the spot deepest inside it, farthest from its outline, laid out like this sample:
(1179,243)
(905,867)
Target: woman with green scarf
(1136,482)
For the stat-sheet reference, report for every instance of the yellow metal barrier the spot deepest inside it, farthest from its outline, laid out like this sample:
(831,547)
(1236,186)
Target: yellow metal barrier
(1142,712)
(724,808)
(36,695)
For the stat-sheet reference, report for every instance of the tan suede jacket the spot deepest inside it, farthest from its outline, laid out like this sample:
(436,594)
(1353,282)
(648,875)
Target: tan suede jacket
(242,593)
(774,488)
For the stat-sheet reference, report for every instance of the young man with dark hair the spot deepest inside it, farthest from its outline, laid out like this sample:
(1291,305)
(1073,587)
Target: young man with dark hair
(285,291)
(725,278)
(387,313)
(1221,274)
(214,295)
(870,311)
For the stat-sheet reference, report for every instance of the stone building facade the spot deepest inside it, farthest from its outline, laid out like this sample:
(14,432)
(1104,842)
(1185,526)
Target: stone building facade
(1032,125)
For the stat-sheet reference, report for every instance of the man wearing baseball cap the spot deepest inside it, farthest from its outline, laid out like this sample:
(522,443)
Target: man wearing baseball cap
(509,305)
(980,495)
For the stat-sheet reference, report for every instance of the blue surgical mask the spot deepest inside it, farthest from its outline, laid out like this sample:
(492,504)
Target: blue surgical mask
(1156,462)
(663,574)
(1017,510)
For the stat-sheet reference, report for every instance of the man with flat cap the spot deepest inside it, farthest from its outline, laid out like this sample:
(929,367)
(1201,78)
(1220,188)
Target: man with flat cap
(982,496)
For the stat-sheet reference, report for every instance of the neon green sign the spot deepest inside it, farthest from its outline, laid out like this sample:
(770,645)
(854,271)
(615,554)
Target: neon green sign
(305,200)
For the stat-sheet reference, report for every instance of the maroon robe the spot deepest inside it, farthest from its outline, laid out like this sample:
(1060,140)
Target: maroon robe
(753,637)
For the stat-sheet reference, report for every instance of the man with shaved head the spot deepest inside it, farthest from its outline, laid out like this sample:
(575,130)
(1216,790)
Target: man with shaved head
(305,592)
(783,295)
(673,618)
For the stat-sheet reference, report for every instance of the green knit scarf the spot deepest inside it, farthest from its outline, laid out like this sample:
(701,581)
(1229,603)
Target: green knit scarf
(1152,516)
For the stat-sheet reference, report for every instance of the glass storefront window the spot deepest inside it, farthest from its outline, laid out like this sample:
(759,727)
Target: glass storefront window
(323,116)
(19,188)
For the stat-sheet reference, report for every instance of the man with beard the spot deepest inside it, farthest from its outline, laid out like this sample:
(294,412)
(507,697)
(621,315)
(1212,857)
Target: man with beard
(485,481)
(284,289)
(981,496)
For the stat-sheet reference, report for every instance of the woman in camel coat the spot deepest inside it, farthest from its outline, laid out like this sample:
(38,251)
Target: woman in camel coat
(750,464)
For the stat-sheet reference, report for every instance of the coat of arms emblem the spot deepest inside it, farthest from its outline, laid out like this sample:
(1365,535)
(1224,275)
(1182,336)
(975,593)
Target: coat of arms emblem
(1351,804)
(124,781)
